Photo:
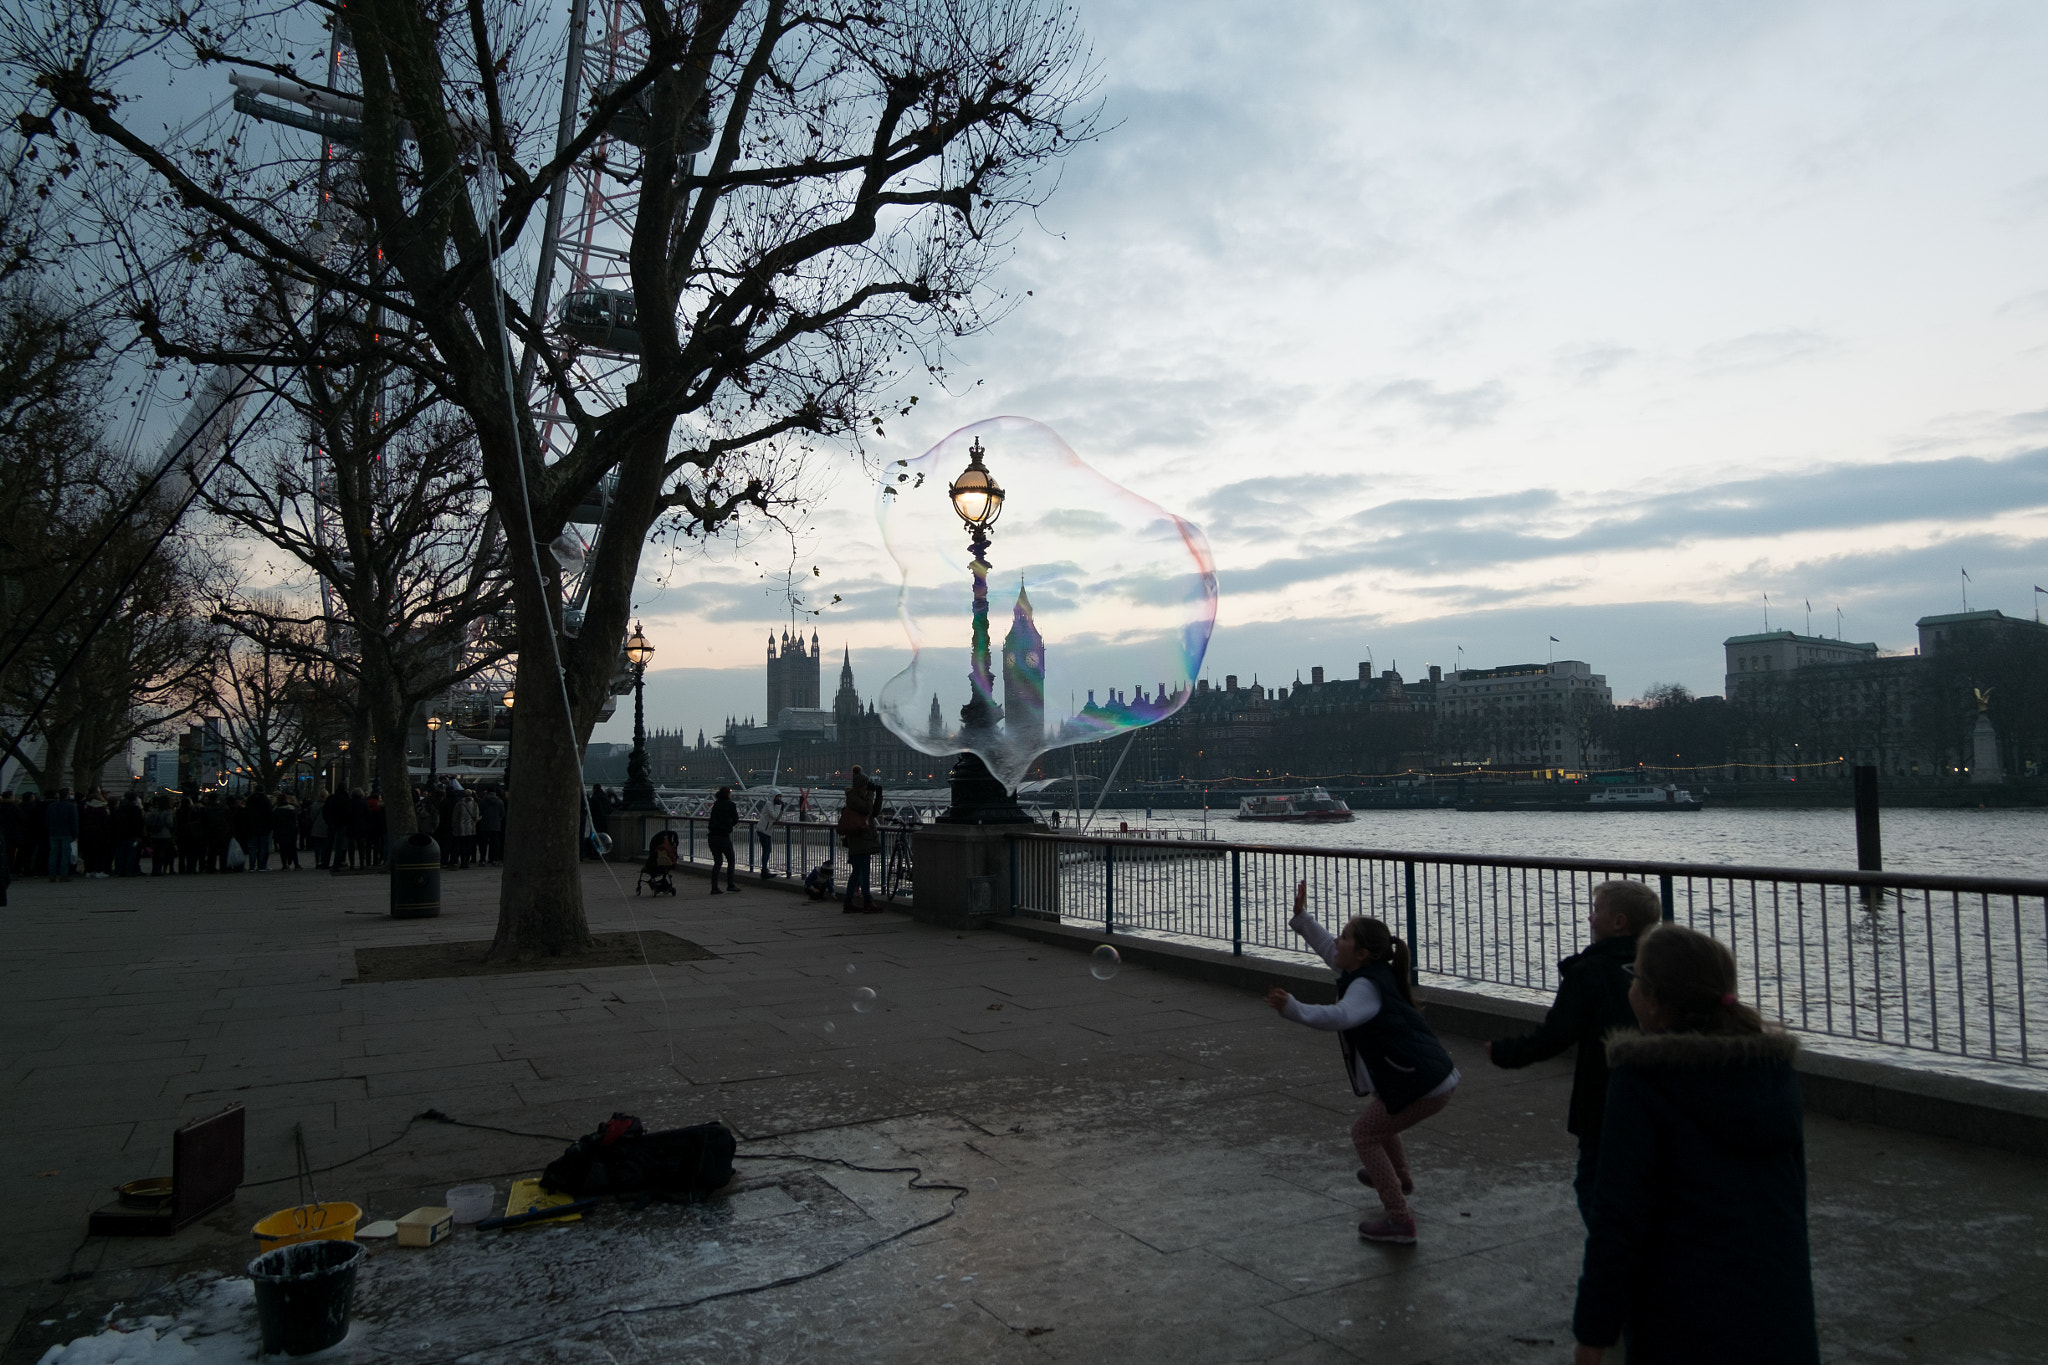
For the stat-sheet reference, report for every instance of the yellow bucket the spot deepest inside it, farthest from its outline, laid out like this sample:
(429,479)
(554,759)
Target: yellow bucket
(308,1223)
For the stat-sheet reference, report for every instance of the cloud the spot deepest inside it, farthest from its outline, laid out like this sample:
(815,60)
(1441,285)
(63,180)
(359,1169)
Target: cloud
(1763,351)
(1432,534)
(1453,408)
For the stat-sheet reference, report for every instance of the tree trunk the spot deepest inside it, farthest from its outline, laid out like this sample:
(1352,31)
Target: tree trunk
(388,717)
(540,901)
(55,771)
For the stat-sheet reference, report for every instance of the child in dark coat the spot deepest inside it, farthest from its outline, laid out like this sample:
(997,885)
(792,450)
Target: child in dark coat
(1592,1002)
(1698,1248)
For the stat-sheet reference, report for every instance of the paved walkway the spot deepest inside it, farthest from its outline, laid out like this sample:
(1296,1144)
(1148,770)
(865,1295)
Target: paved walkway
(1149,1168)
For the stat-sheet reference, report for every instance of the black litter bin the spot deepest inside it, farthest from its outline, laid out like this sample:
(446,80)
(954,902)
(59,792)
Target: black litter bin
(303,1293)
(416,878)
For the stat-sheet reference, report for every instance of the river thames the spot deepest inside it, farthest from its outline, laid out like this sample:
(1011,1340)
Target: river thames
(1989,843)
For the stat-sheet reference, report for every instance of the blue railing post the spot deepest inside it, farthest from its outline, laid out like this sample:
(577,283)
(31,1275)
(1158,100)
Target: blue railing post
(1236,903)
(1109,888)
(1670,901)
(1414,961)
(1015,859)
(693,841)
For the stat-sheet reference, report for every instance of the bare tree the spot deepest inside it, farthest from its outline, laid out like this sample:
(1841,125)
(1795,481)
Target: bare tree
(866,167)
(101,631)
(369,484)
(269,694)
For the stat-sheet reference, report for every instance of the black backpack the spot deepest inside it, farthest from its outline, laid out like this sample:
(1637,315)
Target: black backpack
(621,1157)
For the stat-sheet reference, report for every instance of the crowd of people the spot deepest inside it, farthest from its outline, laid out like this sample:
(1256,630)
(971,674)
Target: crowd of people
(67,836)
(1691,1176)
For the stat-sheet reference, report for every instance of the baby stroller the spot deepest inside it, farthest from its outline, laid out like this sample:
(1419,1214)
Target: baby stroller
(657,874)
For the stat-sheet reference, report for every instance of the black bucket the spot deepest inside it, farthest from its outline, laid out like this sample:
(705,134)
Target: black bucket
(303,1293)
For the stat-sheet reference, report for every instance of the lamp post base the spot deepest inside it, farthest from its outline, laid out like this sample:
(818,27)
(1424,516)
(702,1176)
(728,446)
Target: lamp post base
(638,793)
(979,798)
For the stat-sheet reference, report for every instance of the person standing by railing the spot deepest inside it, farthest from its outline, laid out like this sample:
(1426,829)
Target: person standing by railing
(1390,1054)
(1698,1249)
(1592,1001)
(857,820)
(725,818)
(765,821)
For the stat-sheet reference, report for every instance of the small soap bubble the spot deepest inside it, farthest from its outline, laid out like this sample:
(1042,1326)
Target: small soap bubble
(830,1027)
(863,1000)
(849,969)
(1104,962)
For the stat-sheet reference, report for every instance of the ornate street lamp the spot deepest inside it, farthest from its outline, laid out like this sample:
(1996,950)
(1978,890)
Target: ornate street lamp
(639,792)
(507,779)
(978,797)
(433,748)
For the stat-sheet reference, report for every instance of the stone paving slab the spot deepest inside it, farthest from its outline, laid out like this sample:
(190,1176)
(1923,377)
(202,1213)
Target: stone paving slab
(1148,1168)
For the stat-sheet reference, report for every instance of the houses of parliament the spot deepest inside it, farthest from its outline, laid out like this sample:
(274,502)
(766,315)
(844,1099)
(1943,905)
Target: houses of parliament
(813,744)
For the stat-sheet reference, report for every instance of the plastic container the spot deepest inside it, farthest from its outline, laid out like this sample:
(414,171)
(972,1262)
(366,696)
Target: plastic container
(471,1203)
(303,1295)
(334,1222)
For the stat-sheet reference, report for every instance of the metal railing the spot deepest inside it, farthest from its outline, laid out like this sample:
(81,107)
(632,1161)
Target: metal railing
(799,848)
(1951,965)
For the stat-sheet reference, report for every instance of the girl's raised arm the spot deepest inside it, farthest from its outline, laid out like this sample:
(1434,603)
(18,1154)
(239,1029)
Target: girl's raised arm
(1305,924)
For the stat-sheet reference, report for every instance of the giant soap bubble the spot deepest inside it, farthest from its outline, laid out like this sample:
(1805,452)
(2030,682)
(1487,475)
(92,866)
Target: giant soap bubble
(1099,604)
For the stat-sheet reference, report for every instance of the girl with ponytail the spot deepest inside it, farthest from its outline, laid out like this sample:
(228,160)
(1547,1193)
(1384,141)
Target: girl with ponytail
(1390,1054)
(1697,1247)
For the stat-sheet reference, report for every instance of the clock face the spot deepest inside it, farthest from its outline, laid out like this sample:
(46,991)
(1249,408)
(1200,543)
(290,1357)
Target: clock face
(1032,660)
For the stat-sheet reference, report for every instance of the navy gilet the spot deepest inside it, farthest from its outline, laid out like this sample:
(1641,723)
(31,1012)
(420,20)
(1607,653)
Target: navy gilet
(1400,1053)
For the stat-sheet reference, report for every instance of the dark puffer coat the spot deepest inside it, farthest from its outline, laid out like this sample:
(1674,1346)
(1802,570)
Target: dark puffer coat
(1592,1001)
(1698,1244)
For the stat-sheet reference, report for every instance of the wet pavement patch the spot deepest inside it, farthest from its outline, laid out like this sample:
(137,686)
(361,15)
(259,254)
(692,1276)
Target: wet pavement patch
(429,961)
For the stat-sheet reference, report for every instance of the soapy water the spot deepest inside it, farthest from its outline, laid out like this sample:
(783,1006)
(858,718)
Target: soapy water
(1104,962)
(863,1000)
(1083,577)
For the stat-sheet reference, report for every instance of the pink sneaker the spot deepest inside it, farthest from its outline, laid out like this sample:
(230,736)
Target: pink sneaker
(1398,1230)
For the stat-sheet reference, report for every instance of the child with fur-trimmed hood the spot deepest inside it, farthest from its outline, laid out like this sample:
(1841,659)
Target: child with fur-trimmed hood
(1698,1246)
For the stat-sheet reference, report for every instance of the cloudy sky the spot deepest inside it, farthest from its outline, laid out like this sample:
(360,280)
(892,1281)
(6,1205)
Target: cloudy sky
(1462,325)
(1459,326)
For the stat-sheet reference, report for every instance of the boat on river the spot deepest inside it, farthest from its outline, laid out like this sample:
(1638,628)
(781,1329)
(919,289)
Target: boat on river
(1314,806)
(1643,796)
(1635,796)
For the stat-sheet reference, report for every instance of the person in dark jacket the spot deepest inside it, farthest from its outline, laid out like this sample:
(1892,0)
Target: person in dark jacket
(60,820)
(860,815)
(725,818)
(335,811)
(11,830)
(284,831)
(188,828)
(1698,1247)
(490,826)
(1592,1001)
(95,835)
(159,830)
(35,831)
(1389,1052)
(128,821)
(358,828)
(215,832)
(260,816)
